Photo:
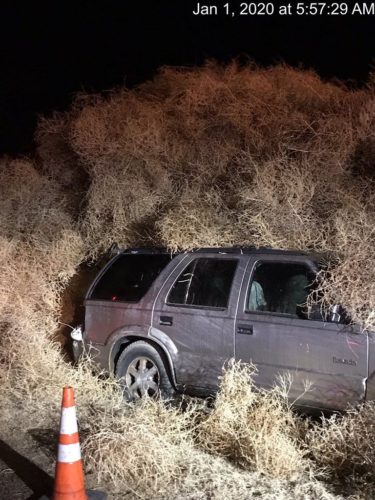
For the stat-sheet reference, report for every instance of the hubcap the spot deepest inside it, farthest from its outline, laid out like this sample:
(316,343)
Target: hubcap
(142,378)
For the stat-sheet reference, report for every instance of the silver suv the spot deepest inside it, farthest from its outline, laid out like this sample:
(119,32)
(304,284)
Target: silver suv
(167,323)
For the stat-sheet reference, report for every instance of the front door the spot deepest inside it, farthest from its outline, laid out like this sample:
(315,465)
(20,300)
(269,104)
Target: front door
(270,332)
(196,310)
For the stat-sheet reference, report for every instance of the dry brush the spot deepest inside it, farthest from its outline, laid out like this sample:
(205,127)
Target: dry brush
(204,156)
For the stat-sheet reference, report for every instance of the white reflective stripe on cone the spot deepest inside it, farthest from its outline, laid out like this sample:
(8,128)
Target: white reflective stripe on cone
(69,453)
(68,420)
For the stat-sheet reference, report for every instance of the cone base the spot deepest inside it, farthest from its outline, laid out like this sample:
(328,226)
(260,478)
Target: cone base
(91,495)
(69,481)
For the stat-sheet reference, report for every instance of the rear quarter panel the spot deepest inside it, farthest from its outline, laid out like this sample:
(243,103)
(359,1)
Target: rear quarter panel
(103,317)
(107,322)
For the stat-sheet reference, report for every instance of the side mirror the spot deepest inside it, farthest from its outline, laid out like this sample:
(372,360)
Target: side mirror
(335,314)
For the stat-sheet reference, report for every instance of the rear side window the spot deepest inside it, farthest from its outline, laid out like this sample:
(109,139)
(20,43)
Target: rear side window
(129,277)
(204,282)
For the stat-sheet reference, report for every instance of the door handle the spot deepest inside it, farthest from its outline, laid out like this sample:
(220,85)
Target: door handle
(166,320)
(245,329)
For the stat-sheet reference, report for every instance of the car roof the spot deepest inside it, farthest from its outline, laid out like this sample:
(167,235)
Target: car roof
(321,259)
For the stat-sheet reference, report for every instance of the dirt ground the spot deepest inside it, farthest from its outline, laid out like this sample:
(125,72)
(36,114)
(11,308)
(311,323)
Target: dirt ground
(20,477)
(11,486)
(27,461)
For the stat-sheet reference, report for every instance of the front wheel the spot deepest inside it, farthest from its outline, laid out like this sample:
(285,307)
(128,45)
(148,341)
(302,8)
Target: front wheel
(142,372)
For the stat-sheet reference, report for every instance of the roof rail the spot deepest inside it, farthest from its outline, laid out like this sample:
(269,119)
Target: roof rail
(247,250)
(238,250)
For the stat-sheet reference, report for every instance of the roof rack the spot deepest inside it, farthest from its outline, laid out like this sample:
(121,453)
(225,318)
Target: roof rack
(234,249)
(146,250)
(247,250)
(237,250)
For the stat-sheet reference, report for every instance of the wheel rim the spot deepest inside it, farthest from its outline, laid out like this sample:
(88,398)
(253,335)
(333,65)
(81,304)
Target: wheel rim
(142,378)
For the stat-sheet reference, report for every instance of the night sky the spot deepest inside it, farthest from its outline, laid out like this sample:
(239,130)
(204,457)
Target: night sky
(50,50)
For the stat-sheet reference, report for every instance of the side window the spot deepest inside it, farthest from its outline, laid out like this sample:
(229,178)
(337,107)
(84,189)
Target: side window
(204,282)
(279,287)
(129,277)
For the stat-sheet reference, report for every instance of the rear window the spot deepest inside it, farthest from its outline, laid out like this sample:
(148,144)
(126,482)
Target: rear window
(129,277)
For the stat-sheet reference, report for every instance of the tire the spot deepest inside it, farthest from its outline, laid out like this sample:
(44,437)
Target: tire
(142,372)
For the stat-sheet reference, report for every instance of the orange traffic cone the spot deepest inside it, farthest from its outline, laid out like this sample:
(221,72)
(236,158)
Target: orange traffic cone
(69,479)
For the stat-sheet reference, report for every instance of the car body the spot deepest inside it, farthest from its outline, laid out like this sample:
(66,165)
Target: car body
(185,314)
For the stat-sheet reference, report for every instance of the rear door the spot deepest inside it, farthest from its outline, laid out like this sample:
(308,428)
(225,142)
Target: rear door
(196,309)
(331,357)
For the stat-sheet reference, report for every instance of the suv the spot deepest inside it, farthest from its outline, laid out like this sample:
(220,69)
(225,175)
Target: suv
(167,323)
